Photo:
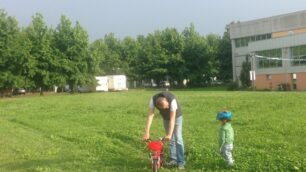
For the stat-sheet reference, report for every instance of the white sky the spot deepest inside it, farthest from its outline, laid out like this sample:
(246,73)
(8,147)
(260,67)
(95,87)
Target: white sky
(135,17)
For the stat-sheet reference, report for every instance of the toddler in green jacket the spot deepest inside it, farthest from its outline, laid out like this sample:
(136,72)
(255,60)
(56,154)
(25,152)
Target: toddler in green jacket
(226,136)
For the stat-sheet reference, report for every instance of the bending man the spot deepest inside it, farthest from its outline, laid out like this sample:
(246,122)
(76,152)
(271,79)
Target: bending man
(170,110)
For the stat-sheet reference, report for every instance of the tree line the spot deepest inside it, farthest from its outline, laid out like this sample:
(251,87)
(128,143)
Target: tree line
(40,57)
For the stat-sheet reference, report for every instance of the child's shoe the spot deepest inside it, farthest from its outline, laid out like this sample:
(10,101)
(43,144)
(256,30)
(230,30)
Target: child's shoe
(230,164)
(181,167)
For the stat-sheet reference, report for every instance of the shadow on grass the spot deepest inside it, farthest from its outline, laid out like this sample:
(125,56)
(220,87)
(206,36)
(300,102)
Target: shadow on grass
(216,88)
(112,164)
(209,88)
(33,165)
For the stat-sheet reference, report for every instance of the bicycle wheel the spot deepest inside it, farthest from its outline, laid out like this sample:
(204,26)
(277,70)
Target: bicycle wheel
(155,165)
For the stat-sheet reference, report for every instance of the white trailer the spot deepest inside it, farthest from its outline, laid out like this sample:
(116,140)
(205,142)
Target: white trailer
(117,82)
(102,83)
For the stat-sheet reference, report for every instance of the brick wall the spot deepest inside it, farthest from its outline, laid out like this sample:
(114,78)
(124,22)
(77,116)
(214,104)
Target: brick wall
(301,81)
(272,81)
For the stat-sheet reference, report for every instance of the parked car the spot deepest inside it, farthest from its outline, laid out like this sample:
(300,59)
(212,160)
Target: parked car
(217,82)
(165,84)
(19,91)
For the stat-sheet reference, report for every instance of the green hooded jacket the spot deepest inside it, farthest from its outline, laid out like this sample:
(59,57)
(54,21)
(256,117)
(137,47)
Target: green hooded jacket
(226,134)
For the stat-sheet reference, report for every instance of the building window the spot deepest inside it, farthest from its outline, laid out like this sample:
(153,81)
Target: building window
(263,37)
(252,38)
(238,42)
(269,77)
(298,55)
(266,60)
(244,41)
(269,36)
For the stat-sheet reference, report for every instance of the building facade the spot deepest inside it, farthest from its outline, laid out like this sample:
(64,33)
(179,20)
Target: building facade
(276,47)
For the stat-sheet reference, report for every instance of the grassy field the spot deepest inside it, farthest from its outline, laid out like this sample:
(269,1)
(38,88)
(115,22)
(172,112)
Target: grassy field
(103,131)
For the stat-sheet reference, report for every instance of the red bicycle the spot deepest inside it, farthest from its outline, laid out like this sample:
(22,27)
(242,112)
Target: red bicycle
(156,149)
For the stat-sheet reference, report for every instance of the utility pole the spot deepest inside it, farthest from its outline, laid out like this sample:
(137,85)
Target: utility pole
(286,64)
(252,72)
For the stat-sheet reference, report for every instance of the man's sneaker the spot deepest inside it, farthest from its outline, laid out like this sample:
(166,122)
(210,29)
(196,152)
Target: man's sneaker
(171,163)
(181,167)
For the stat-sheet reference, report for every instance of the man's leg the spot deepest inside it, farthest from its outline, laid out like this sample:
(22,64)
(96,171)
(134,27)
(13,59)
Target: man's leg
(171,143)
(177,133)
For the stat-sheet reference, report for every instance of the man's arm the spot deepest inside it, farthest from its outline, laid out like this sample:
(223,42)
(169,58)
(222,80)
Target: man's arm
(148,124)
(171,125)
(173,108)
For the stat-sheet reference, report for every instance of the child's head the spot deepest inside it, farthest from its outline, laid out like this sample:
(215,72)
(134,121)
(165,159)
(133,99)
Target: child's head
(224,116)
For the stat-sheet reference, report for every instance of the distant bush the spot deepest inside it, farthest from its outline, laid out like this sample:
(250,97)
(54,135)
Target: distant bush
(232,86)
(283,87)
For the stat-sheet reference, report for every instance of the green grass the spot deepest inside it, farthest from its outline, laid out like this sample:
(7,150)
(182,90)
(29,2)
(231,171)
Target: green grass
(103,131)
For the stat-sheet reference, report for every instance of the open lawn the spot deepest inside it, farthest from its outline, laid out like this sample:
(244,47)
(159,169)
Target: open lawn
(103,131)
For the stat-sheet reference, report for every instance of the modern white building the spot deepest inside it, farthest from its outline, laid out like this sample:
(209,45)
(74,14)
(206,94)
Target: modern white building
(277,46)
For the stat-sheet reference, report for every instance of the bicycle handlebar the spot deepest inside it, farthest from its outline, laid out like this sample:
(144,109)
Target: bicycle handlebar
(160,139)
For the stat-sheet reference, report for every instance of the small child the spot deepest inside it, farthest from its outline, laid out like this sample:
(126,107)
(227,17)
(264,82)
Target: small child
(226,136)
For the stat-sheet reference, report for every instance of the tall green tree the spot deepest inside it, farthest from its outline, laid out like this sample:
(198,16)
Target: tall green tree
(71,46)
(112,63)
(41,53)
(244,74)
(61,43)
(83,60)
(196,57)
(10,72)
(173,44)
(225,58)
(140,59)
(152,59)
(98,51)
(213,42)
(25,61)
(129,52)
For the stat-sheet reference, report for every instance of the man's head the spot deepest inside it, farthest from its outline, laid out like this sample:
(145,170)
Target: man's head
(162,103)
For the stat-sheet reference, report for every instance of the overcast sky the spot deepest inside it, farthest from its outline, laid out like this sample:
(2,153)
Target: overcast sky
(135,17)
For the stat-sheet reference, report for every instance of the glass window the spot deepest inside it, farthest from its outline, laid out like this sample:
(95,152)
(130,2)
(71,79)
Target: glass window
(266,62)
(253,38)
(243,42)
(269,35)
(303,60)
(298,54)
(247,40)
(238,42)
(263,37)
